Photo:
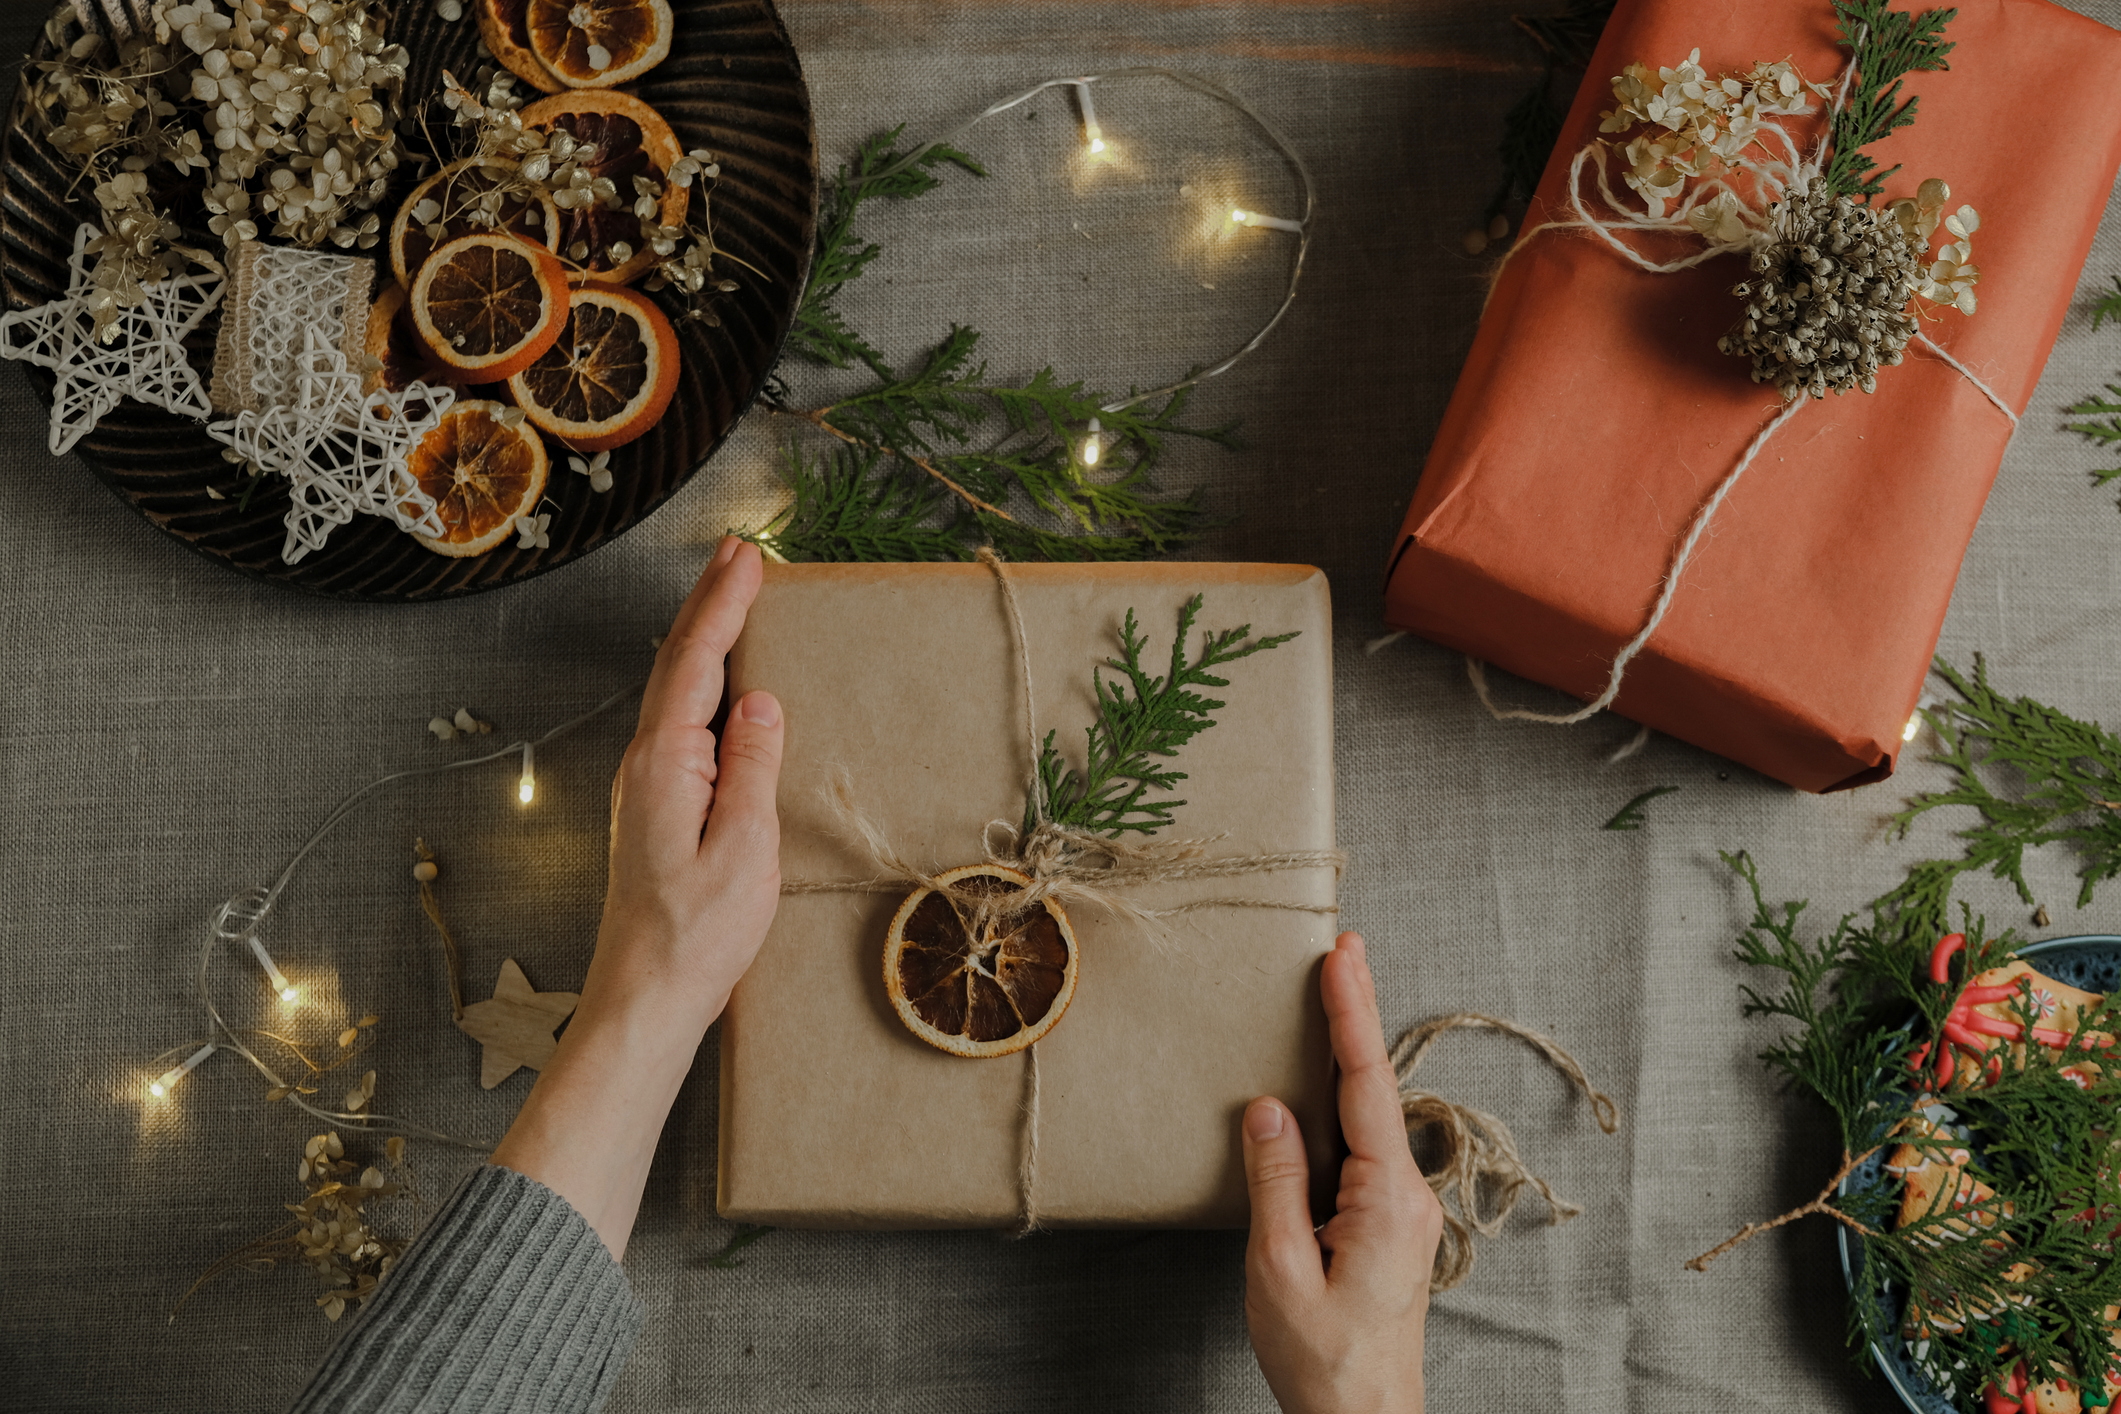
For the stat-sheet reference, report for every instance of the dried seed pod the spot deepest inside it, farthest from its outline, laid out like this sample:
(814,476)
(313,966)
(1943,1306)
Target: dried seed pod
(1814,323)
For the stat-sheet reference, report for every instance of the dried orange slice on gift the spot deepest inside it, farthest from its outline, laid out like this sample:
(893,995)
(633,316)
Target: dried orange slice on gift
(488,305)
(977,986)
(446,198)
(598,43)
(610,376)
(505,30)
(631,140)
(483,475)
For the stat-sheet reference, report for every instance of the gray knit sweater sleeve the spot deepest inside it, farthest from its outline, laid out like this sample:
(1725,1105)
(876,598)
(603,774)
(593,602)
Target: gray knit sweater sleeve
(507,1302)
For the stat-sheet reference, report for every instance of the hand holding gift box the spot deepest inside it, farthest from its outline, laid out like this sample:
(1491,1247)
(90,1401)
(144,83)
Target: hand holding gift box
(1194,964)
(1613,508)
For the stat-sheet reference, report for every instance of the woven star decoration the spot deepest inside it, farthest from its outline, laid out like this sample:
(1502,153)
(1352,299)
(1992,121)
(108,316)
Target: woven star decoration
(344,451)
(145,361)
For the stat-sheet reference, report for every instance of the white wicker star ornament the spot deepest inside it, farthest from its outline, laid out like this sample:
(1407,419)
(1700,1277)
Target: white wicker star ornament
(144,361)
(343,451)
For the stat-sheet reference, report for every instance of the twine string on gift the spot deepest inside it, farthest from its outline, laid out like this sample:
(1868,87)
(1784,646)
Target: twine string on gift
(1777,180)
(1067,865)
(1480,1173)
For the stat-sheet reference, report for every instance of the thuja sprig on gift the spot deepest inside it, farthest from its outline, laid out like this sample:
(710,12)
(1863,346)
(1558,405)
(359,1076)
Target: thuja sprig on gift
(939,458)
(1142,721)
(1885,45)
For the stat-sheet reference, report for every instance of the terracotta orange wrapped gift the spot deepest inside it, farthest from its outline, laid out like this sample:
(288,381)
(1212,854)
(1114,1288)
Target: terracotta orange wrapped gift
(1742,384)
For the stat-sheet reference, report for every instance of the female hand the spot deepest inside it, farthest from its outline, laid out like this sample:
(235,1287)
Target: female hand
(695,880)
(1337,1316)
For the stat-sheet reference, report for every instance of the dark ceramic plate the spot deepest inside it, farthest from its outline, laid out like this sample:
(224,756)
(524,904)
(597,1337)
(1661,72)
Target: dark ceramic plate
(731,85)
(2090,961)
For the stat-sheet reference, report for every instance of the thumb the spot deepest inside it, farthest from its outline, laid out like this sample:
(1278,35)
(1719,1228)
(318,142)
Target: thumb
(1283,1249)
(745,816)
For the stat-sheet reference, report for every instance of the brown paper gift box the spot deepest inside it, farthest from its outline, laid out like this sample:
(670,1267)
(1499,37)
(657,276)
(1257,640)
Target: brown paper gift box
(906,678)
(1595,415)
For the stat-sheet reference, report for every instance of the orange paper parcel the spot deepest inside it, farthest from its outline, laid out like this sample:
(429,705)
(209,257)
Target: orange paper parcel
(1595,416)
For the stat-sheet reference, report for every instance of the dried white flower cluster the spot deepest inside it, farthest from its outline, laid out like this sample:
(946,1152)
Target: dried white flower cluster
(1708,126)
(334,1232)
(1951,276)
(106,115)
(300,99)
(289,107)
(1827,304)
(518,164)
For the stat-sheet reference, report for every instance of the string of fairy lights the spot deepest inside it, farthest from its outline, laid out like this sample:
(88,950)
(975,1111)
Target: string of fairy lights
(238,924)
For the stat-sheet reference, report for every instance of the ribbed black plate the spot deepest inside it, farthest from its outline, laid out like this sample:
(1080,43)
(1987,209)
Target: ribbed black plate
(732,85)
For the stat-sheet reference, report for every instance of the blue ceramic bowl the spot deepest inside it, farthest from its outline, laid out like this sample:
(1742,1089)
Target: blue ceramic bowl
(2090,961)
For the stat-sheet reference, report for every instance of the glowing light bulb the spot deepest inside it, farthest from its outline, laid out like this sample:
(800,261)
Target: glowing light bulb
(1093,444)
(1093,135)
(527,787)
(1241,217)
(1914,724)
(162,1084)
(287,990)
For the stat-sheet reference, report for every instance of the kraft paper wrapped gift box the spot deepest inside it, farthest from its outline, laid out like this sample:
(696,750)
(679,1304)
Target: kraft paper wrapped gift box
(904,681)
(1595,416)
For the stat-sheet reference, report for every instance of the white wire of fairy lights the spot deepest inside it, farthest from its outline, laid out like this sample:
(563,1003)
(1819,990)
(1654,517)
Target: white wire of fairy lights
(1096,145)
(236,924)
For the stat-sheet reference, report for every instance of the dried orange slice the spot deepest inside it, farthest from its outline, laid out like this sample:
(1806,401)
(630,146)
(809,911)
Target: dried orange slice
(443,200)
(977,987)
(631,140)
(504,28)
(609,378)
(393,344)
(483,475)
(487,305)
(598,43)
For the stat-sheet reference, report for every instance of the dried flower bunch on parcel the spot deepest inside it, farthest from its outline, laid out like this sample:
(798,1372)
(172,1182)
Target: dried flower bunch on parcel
(1837,286)
(970,966)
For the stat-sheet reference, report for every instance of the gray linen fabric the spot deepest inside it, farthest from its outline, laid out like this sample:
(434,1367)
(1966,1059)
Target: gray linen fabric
(508,1301)
(172,732)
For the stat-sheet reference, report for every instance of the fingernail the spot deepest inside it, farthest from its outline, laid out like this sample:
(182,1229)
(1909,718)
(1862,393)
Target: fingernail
(1262,1121)
(760,707)
(726,551)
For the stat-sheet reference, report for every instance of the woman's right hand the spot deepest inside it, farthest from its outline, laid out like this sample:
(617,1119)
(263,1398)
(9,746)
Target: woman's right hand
(1337,1315)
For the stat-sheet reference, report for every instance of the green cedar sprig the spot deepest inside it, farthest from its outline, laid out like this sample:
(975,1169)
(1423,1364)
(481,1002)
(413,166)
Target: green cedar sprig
(1630,816)
(2105,427)
(1860,1002)
(2070,794)
(940,459)
(819,333)
(1533,125)
(1142,721)
(1886,45)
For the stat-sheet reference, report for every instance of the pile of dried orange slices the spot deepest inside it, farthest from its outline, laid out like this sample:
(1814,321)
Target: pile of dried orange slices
(527,308)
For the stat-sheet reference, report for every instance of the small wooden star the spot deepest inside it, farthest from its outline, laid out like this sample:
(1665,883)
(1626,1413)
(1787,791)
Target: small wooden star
(515,1025)
(146,360)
